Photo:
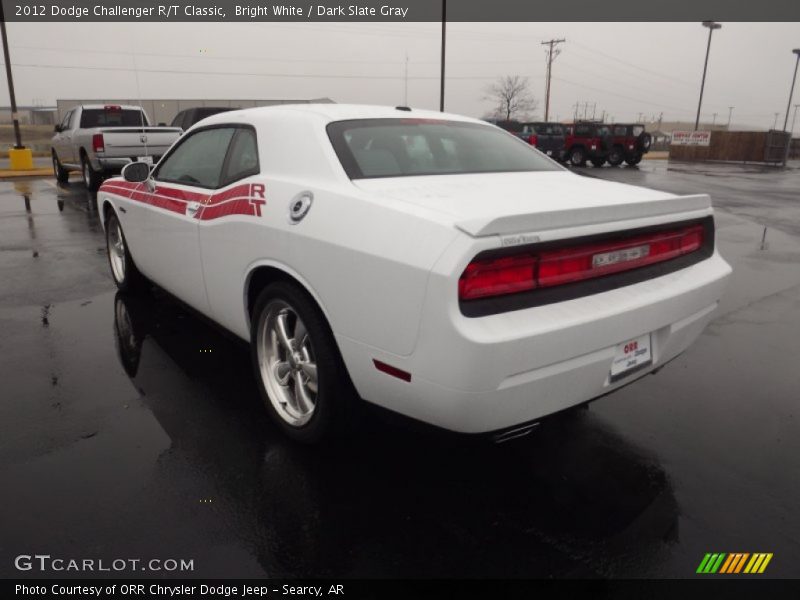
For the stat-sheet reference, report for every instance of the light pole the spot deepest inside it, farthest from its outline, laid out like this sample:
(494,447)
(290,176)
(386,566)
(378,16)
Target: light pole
(791,89)
(711,27)
(20,157)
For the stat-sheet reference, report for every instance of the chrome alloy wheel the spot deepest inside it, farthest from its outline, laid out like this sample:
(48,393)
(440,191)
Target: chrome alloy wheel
(116,251)
(287,363)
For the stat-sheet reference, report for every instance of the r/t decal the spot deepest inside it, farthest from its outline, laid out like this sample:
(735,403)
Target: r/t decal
(257,197)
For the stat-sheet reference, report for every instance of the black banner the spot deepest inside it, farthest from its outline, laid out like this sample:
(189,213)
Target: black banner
(397,10)
(390,589)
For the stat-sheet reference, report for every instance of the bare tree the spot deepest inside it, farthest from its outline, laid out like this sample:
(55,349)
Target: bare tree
(512,97)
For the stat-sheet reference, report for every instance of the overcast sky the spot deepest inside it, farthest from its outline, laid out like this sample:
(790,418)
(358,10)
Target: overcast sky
(623,69)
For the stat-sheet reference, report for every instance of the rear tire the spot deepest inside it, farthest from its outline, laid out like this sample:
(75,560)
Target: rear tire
(598,162)
(123,270)
(61,174)
(634,160)
(301,376)
(577,157)
(91,178)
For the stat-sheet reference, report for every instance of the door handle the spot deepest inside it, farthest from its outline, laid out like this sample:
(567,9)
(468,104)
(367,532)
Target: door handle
(192,208)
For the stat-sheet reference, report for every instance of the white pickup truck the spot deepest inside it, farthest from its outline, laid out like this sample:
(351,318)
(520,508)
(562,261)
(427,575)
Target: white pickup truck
(99,140)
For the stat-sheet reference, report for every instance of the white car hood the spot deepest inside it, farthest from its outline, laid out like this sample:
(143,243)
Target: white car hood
(501,203)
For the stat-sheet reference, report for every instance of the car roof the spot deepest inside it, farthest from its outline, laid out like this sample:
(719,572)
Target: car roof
(328,113)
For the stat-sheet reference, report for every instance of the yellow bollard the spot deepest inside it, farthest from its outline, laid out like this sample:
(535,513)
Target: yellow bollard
(20,159)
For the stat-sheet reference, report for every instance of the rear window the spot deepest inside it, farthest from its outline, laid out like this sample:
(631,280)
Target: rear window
(544,128)
(100,117)
(371,148)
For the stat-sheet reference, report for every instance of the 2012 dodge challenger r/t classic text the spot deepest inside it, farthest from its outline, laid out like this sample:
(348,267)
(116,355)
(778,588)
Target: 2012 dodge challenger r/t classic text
(429,263)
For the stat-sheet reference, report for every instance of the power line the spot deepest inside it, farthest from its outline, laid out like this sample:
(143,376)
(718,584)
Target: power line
(254,74)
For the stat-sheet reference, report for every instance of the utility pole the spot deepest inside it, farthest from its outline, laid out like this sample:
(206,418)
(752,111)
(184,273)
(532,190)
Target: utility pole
(405,87)
(714,119)
(441,77)
(552,52)
(730,112)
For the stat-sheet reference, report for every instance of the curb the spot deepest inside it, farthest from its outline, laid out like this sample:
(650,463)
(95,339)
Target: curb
(9,174)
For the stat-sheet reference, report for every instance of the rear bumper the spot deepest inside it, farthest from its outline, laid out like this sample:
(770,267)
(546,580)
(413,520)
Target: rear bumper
(491,373)
(115,165)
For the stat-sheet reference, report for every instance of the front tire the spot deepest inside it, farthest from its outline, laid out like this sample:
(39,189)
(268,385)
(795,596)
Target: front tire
(91,178)
(598,162)
(61,174)
(616,157)
(301,375)
(123,270)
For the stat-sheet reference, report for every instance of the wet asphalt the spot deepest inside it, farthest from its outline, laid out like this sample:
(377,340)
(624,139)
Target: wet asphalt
(129,428)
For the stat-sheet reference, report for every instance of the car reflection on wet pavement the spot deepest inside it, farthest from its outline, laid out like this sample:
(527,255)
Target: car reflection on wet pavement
(132,428)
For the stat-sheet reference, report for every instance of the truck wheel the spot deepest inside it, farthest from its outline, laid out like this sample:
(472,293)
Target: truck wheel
(598,162)
(300,373)
(634,160)
(61,174)
(615,157)
(91,178)
(123,269)
(577,157)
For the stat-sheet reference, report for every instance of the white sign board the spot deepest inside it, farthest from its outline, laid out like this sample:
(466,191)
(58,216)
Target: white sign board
(691,138)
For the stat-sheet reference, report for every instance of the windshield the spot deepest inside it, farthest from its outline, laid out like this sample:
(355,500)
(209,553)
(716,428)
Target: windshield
(369,148)
(112,117)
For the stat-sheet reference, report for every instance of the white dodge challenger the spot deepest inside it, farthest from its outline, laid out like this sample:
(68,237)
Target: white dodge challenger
(429,263)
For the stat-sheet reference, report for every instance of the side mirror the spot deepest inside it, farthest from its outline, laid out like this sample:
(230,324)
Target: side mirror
(57,129)
(136,172)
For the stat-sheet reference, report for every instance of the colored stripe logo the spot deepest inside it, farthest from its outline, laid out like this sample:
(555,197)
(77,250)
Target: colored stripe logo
(734,563)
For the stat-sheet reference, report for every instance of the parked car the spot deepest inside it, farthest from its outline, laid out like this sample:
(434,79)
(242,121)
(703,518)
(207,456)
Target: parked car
(477,286)
(550,138)
(630,143)
(587,140)
(188,117)
(99,140)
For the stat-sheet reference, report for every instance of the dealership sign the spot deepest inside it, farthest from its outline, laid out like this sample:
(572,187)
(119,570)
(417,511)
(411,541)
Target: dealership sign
(691,138)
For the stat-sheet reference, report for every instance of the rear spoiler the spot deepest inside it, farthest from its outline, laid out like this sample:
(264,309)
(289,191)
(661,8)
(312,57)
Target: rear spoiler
(558,219)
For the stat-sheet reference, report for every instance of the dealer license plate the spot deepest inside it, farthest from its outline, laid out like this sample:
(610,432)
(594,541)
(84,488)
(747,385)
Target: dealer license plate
(631,356)
(145,159)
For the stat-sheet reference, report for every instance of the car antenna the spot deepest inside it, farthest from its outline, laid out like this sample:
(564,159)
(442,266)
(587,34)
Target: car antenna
(139,95)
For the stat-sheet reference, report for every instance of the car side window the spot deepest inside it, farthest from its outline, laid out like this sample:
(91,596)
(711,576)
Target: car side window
(242,157)
(178,120)
(198,159)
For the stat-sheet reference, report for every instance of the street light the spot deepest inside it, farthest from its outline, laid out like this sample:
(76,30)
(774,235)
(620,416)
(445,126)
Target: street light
(711,27)
(791,89)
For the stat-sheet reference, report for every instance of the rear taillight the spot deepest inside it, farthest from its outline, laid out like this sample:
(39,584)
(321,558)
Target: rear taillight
(498,276)
(98,144)
(533,140)
(511,274)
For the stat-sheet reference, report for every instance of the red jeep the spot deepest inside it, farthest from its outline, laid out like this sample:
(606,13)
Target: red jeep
(630,143)
(587,140)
